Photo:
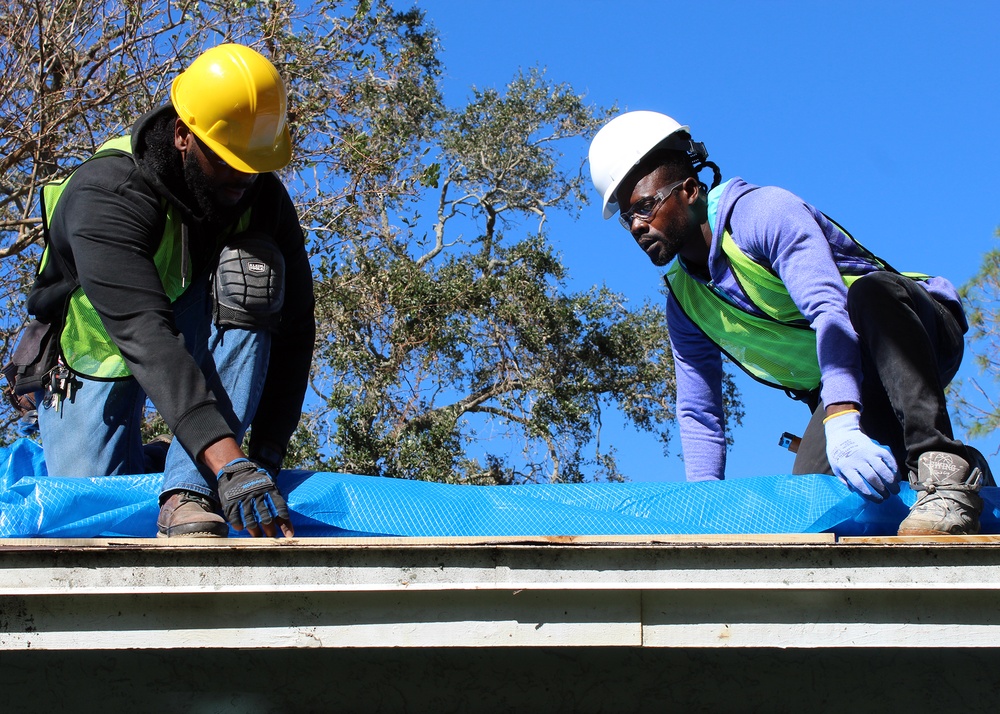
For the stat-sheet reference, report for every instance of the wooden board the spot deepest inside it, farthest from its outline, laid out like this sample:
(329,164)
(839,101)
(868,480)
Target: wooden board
(381,542)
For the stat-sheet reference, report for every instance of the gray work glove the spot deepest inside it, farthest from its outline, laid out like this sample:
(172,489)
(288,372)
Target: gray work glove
(865,466)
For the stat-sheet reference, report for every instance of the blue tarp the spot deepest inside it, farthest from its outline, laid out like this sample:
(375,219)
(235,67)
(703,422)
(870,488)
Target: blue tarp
(33,505)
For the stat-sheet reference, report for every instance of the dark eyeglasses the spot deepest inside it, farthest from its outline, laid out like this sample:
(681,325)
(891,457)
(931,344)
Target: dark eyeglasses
(213,158)
(645,208)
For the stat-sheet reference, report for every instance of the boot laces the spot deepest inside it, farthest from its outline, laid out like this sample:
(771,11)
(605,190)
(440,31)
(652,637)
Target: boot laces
(203,501)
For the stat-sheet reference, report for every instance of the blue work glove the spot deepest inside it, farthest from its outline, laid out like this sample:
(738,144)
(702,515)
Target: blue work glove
(865,466)
(250,497)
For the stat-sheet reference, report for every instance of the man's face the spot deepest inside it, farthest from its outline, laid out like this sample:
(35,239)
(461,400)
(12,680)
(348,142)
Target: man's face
(663,224)
(215,185)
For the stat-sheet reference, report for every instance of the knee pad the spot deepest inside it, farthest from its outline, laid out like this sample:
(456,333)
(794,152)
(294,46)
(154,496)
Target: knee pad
(249,283)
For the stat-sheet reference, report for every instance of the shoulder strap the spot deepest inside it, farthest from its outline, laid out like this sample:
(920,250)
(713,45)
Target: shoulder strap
(52,191)
(119,146)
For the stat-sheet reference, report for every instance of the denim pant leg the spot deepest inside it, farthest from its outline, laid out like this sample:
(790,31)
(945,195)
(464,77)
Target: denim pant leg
(234,362)
(96,433)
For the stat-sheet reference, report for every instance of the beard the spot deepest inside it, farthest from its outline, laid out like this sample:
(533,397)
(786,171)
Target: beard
(664,251)
(677,231)
(203,191)
(660,247)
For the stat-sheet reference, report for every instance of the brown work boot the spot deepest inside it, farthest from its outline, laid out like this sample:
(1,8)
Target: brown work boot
(190,515)
(949,503)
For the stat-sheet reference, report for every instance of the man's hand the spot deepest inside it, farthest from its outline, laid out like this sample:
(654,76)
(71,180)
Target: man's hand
(250,497)
(862,464)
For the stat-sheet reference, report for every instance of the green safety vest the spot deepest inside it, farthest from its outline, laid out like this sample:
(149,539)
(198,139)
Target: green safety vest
(84,343)
(777,348)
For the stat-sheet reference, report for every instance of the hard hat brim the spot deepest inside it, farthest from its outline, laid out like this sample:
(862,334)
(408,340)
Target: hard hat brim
(252,162)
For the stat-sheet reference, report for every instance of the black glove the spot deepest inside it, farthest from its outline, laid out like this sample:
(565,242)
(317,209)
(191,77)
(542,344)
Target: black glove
(249,496)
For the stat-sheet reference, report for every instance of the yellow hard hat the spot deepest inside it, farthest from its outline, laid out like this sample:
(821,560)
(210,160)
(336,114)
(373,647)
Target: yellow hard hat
(234,101)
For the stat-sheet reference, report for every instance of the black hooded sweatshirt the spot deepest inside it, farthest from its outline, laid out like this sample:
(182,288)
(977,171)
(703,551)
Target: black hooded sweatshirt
(103,235)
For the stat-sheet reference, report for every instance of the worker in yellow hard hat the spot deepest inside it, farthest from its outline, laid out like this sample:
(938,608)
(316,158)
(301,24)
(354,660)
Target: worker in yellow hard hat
(175,269)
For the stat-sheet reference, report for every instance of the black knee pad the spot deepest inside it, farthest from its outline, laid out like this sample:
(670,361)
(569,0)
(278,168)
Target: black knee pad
(249,283)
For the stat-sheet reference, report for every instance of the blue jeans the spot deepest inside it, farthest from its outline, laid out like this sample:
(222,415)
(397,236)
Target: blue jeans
(98,431)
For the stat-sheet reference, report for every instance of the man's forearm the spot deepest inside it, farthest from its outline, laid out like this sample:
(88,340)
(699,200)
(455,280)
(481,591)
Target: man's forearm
(839,407)
(221,452)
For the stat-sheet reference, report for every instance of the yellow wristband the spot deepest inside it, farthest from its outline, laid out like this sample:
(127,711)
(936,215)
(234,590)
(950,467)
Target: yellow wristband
(834,416)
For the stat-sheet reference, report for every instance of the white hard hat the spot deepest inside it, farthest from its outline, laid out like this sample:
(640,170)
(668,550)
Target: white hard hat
(622,143)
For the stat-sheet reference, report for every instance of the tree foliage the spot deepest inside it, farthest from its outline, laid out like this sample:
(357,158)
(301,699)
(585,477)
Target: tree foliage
(450,345)
(978,411)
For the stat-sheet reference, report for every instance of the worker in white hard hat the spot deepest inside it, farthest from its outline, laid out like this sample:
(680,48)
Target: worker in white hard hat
(175,269)
(769,281)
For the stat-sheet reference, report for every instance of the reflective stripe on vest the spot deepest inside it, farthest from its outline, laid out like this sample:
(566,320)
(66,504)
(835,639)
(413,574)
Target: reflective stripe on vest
(84,342)
(778,347)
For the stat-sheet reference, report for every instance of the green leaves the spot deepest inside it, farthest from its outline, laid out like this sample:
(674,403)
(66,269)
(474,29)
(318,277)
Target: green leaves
(431,176)
(976,408)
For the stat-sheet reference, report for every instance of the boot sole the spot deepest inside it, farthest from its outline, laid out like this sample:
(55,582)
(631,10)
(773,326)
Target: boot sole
(932,532)
(193,534)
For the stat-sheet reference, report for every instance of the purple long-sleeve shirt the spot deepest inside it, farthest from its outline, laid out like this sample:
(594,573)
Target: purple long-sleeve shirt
(779,230)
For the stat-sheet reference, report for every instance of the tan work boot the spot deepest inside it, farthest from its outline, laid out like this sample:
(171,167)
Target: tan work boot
(949,503)
(190,515)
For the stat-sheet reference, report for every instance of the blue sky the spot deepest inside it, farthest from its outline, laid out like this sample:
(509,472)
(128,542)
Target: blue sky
(881,114)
